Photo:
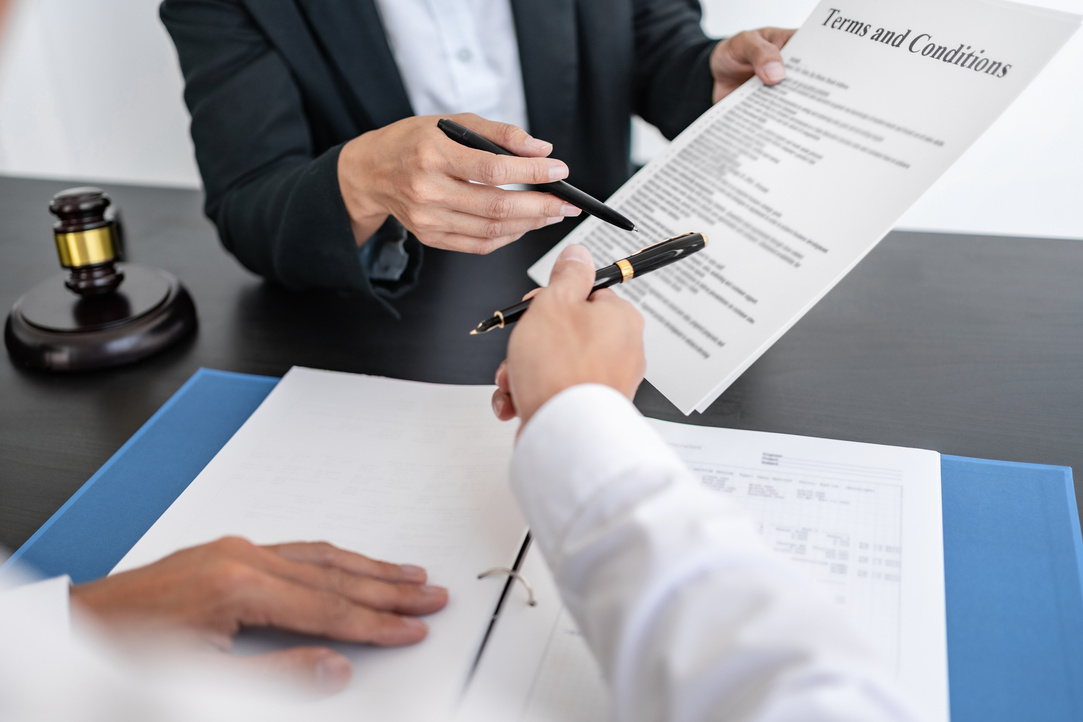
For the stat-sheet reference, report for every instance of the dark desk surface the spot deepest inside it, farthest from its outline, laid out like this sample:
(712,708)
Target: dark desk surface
(970,345)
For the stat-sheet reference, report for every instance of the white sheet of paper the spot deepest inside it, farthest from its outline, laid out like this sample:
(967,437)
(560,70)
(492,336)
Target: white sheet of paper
(864,521)
(406,472)
(794,184)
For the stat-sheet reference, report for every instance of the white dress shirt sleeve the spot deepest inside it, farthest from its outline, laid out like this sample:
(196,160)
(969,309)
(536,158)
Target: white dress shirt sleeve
(54,669)
(46,600)
(690,616)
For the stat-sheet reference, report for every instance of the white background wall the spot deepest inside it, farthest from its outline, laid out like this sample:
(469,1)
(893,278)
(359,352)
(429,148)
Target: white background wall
(90,89)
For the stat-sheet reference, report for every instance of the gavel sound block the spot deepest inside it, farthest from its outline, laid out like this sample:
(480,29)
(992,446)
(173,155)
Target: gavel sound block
(103,312)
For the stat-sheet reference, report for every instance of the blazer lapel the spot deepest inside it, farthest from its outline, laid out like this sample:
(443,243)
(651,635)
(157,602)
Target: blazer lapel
(352,37)
(549,57)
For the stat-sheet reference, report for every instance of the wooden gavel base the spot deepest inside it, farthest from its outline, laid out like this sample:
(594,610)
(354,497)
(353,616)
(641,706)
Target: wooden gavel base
(52,328)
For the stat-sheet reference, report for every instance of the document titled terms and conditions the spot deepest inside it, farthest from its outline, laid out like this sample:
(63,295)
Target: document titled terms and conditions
(793,184)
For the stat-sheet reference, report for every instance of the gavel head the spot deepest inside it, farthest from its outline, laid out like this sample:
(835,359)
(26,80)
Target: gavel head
(87,240)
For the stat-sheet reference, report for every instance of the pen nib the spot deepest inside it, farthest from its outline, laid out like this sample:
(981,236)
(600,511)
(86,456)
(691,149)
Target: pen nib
(487,325)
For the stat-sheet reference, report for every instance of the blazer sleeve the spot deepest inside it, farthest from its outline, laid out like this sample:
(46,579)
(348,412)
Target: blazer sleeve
(275,200)
(673,80)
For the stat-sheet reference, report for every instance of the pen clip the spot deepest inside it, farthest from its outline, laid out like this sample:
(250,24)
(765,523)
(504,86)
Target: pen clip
(653,245)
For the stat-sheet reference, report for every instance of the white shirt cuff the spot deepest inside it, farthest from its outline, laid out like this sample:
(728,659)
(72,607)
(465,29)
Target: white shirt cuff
(47,601)
(573,447)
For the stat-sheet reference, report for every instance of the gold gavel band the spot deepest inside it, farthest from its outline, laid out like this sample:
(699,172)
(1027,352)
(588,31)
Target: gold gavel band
(86,248)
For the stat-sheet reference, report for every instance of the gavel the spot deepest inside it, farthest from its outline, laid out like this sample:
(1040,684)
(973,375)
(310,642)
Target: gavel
(103,312)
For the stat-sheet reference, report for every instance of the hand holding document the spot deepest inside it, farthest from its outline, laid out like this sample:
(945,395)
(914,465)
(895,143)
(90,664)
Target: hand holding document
(795,183)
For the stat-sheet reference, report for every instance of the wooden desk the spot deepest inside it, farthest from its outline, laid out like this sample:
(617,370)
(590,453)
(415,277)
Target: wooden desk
(970,345)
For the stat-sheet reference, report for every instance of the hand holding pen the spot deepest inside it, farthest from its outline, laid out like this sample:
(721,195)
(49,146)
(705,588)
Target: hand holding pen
(561,189)
(411,171)
(571,336)
(642,261)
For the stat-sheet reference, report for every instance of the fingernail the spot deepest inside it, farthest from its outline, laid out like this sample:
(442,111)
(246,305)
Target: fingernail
(576,253)
(558,171)
(412,624)
(569,210)
(774,71)
(538,144)
(332,673)
(431,590)
(498,404)
(410,570)
(553,219)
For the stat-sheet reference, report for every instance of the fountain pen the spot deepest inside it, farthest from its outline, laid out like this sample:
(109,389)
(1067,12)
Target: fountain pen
(624,270)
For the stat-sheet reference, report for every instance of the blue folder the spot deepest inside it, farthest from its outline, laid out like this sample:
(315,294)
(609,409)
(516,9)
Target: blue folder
(1013,555)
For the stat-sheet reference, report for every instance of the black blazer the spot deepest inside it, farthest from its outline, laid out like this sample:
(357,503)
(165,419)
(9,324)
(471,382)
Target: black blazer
(275,87)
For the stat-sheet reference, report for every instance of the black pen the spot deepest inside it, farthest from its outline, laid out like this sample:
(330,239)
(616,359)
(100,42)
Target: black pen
(640,262)
(562,190)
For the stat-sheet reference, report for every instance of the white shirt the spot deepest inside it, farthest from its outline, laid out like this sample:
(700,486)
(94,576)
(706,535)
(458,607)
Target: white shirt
(690,616)
(50,672)
(688,613)
(457,56)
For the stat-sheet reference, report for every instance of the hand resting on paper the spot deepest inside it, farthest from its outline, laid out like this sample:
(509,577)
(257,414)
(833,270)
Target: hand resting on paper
(565,339)
(752,52)
(208,593)
(412,171)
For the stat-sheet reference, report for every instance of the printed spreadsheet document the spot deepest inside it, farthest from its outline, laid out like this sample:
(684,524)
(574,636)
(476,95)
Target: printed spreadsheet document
(794,184)
(862,521)
(417,473)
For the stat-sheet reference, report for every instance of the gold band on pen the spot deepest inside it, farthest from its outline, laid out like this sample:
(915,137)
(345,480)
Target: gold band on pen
(499,315)
(626,270)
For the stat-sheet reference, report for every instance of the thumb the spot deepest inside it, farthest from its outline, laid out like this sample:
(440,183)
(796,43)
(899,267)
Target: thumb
(319,669)
(573,273)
